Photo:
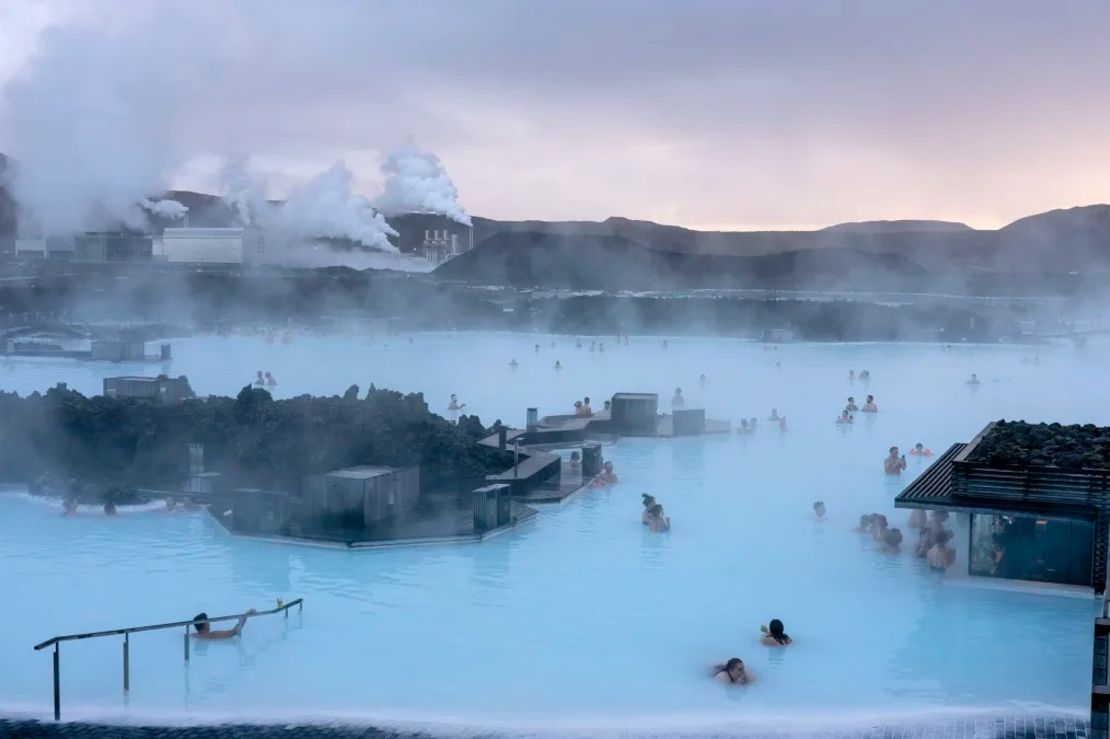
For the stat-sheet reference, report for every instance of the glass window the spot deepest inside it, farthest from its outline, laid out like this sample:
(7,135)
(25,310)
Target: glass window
(1028,548)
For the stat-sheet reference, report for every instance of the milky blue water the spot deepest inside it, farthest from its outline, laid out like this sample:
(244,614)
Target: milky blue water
(581,618)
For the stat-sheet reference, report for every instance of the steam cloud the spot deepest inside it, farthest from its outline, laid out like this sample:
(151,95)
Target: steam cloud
(416,182)
(165,208)
(96,132)
(327,207)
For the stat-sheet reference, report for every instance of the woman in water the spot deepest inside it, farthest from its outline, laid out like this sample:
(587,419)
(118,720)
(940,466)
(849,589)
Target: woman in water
(892,541)
(649,502)
(773,634)
(259,380)
(879,526)
(851,407)
(864,526)
(919,450)
(941,556)
(845,417)
(270,381)
(732,672)
(657,521)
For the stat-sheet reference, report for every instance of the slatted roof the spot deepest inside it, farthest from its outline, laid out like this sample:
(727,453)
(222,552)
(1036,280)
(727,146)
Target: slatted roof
(933,488)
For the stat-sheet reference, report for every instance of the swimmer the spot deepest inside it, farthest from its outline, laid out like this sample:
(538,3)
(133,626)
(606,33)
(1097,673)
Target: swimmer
(752,422)
(782,423)
(941,556)
(893,464)
(702,380)
(864,375)
(919,450)
(270,381)
(657,522)
(576,460)
(558,364)
(744,428)
(608,406)
(774,415)
(537,348)
(578,407)
(455,405)
(648,501)
(606,477)
(892,541)
(851,375)
(819,510)
(879,526)
(773,634)
(864,524)
(665,344)
(513,364)
(974,379)
(845,417)
(70,506)
(869,405)
(259,380)
(109,508)
(852,407)
(586,409)
(204,629)
(601,347)
(593,346)
(732,672)
(678,401)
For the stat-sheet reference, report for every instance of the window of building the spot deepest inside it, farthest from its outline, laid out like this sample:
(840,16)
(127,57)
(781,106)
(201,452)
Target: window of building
(1030,548)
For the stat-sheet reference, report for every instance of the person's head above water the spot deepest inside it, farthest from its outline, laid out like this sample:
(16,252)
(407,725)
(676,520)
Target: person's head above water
(678,391)
(870,398)
(819,508)
(649,500)
(919,446)
(865,520)
(735,668)
(608,466)
(777,632)
(893,538)
(894,451)
(200,623)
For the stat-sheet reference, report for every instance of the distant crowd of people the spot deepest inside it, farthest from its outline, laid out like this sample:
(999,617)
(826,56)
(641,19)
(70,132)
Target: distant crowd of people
(264,379)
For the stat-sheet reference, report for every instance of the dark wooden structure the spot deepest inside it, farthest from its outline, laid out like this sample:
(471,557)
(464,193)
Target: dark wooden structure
(634,413)
(956,482)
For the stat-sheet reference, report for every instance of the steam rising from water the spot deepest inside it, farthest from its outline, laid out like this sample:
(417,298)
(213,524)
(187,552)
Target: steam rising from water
(165,208)
(416,182)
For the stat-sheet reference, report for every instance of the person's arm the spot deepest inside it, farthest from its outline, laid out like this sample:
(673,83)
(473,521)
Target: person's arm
(228,633)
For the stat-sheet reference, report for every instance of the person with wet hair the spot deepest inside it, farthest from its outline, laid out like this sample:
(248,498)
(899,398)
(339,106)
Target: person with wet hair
(732,672)
(941,555)
(879,526)
(203,629)
(678,401)
(864,524)
(649,502)
(657,521)
(576,460)
(851,407)
(894,464)
(819,509)
(774,634)
(869,405)
(892,541)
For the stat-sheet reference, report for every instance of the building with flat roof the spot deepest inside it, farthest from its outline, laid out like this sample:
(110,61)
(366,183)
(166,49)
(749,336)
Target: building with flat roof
(112,246)
(229,246)
(162,388)
(1023,515)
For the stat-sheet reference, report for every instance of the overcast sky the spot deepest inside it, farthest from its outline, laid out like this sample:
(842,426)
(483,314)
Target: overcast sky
(711,114)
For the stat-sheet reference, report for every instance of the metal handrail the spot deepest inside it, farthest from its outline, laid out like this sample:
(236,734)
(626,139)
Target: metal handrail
(126,634)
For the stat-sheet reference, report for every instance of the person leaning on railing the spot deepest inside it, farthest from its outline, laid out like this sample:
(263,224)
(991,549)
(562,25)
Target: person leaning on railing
(203,630)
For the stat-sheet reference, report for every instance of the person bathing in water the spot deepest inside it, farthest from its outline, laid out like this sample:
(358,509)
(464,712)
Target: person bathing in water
(919,450)
(203,629)
(974,379)
(845,417)
(657,521)
(455,405)
(774,415)
(732,672)
(259,380)
(270,381)
(606,477)
(851,407)
(649,502)
(819,510)
(773,634)
(893,464)
(869,405)
(678,401)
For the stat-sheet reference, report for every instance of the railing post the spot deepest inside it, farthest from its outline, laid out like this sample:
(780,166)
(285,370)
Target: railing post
(57,686)
(186,643)
(126,662)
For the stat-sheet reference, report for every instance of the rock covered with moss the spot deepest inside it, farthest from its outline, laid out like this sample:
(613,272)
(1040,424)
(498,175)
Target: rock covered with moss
(1021,444)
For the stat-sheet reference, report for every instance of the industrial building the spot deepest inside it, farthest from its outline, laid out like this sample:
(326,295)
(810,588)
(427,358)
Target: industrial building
(162,388)
(111,246)
(214,245)
(57,248)
(437,238)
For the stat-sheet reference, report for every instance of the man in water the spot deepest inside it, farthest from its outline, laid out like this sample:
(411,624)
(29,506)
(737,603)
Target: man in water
(455,405)
(774,415)
(819,510)
(606,477)
(851,407)
(204,629)
(678,401)
(894,464)
(869,405)
(259,381)
(270,381)
(974,379)
(587,410)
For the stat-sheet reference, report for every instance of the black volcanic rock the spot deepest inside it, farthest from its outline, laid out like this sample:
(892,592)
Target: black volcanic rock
(614,262)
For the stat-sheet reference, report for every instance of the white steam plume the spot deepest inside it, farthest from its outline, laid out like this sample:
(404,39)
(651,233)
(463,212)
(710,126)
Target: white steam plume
(244,192)
(166,208)
(416,182)
(327,207)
